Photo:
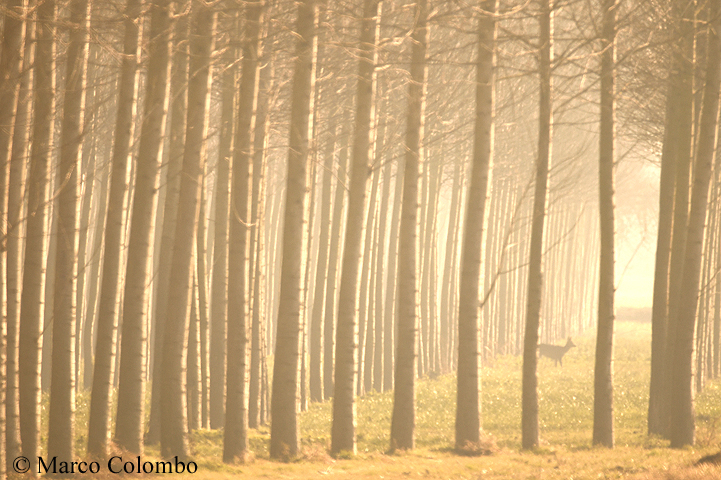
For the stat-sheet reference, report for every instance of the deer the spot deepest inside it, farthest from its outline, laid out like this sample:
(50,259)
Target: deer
(555,352)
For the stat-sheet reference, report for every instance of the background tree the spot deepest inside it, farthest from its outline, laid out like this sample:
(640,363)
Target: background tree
(284,427)
(403,419)
(603,373)
(468,408)
(343,429)
(131,382)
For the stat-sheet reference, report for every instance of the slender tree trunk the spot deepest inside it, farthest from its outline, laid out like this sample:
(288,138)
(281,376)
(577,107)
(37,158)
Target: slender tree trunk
(178,102)
(257,346)
(404,412)
(603,379)
(173,418)
(331,282)
(192,371)
(392,281)
(316,322)
(13,115)
(540,204)
(203,327)
(681,125)
(669,159)
(682,411)
(31,302)
(219,287)
(132,369)
(343,436)
(380,263)
(105,349)
(284,441)
(62,387)
(235,442)
(447,304)
(364,302)
(468,409)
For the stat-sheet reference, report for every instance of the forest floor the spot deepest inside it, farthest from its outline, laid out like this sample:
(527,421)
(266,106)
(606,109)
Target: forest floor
(566,421)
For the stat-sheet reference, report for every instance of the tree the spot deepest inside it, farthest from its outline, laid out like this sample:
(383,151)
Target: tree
(468,409)
(178,104)
(346,353)
(219,281)
(603,378)
(235,440)
(673,212)
(682,411)
(15,239)
(31,301)
(107,323)
(62,387)
(173,415)
(284,424)
(11,59)
(131,375)
(404,414)
(535,271)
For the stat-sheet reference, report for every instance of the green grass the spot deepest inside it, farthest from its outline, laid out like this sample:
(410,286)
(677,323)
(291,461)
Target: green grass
(566,422)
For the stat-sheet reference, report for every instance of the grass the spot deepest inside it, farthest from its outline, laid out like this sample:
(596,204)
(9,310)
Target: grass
(566,422)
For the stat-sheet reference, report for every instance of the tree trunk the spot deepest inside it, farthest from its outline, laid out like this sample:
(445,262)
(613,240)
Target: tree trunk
(284,441)
(192,371)
(404,411)
(343,430)
(31,302)
(105,349)
(173,418)
(62,387)
(677,108)
(203,327)
(529,419)
(316,322)
(447,304)
(391,282)
(682,411)
(219,287)
(257,344)
(235,441)
(468,409)
(13,115)
(178,112)
(331,282)
(603,379)
(364,305)
(132,369)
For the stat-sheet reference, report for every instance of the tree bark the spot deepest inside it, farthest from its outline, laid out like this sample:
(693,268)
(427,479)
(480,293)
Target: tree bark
(529,418)
(468,409)
(31,301)
(677,108)
(173,418)
(219,287)
(12,83)
(62,387)
(603,373)
(343,436)
(105,349)
(403,419)
(178,103)
(132,369)
(284,441)
(682,411)
(235,441)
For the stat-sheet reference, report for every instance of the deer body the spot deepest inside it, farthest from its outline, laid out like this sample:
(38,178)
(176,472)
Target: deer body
(555,352)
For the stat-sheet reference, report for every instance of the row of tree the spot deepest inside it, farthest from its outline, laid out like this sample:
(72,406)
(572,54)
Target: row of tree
(352,190)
